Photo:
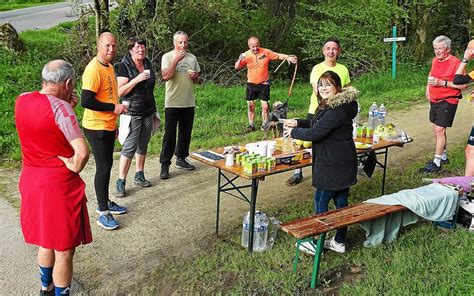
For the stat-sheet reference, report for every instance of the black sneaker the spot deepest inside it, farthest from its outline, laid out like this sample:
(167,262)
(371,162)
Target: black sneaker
(295,179)
(430,168)
(443,161)
(47,293)
(165,172)
(250,128)
(120,188)
(184,164)
(140,179)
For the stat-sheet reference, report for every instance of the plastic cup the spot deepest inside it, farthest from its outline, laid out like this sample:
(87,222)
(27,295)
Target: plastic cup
(147,73)
(262,148)
(126,103)
(229,159)
(376,138)
(271,148)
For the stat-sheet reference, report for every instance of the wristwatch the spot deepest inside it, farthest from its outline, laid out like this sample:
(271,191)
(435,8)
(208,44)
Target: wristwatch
(464,60)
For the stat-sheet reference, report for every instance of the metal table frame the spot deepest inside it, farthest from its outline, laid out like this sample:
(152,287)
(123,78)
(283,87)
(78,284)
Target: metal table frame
(226,184)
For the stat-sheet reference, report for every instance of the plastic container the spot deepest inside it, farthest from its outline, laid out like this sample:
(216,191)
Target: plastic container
(261,231)
(382,114)
(356,119)
(373,117)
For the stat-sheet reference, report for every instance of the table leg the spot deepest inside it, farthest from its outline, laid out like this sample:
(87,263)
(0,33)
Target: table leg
(384,170)
(317,260)
(218,200)
(253,202)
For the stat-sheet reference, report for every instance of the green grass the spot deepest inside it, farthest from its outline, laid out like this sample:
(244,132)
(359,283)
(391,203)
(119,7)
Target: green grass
(18,4)
(221,113)
(422,260)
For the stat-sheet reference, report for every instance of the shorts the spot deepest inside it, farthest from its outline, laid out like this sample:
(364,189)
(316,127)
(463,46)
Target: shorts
(470,140)
(258,91)
(139,136)
(442,113)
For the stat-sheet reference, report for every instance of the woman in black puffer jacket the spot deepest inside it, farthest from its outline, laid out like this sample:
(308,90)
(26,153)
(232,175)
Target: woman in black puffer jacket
(334,153)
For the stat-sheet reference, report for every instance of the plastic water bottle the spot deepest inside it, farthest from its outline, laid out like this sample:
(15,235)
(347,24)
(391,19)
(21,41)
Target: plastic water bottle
(356,119)
(382,114)
(373,120)
(245,230)
(262,233)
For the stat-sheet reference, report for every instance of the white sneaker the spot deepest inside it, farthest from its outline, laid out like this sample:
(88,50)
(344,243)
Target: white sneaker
(307,247)
(335,246)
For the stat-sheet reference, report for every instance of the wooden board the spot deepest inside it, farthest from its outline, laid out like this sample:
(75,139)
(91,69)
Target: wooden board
(321,223)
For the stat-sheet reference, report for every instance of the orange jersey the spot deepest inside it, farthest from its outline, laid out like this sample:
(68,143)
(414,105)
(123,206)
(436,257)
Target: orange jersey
(257,65)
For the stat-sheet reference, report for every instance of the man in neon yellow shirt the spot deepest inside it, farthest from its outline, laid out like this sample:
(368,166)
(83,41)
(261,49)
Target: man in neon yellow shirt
(331,50)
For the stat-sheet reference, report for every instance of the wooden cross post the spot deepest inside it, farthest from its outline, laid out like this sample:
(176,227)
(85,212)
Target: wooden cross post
(394,40)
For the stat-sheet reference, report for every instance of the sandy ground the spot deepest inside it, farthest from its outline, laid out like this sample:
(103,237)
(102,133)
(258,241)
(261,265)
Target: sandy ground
(174,219)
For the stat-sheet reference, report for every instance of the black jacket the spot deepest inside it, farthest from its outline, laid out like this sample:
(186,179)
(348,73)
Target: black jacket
(330,130)
(142,100)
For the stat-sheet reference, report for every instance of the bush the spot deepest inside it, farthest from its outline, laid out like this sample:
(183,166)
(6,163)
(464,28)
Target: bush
(359,25)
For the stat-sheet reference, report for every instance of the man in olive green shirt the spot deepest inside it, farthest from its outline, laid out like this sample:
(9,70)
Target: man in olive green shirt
(180,70)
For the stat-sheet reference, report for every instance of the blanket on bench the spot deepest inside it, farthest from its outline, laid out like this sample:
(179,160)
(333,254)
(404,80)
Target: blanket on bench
(433,202)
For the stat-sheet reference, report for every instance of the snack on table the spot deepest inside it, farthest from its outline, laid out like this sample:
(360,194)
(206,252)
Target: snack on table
(388,131)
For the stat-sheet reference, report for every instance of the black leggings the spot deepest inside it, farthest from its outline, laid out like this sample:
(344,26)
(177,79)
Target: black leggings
(102,146)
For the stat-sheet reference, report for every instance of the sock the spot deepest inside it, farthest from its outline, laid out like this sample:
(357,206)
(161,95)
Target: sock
(103,213)
(251,124)
(437,159)
(445,155)
(46,276)
(62,290)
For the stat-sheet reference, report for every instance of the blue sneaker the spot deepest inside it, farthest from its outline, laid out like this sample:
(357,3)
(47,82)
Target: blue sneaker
(107,222)
(116,209)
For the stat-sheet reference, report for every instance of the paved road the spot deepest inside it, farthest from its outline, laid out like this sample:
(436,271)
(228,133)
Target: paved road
(39,17)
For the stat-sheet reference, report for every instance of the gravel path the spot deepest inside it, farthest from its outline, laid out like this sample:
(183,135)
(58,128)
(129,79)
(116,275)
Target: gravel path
(174,219)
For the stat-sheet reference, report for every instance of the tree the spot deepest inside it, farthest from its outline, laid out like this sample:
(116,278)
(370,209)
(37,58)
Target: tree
(101,10)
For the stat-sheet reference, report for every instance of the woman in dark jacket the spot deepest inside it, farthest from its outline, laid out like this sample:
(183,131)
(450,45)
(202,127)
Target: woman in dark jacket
(136,81)
(334,152)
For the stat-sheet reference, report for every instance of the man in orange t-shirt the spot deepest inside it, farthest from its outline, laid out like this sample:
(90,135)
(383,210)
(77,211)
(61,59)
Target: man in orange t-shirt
(443,96)
(258,83)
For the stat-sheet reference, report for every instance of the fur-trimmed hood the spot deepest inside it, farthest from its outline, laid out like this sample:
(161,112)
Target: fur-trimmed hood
(348,94)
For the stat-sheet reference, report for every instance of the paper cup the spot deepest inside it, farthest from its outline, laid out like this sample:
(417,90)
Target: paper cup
(126,103)
(147,72)
(262,148)
(229,159)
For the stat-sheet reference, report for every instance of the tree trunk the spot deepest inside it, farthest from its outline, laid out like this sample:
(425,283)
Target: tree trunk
(101,11)
(421,32)
(470,22)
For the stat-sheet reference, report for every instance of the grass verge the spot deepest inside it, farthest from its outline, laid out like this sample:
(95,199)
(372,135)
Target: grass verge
(18,4)
(423,260)
(221,113)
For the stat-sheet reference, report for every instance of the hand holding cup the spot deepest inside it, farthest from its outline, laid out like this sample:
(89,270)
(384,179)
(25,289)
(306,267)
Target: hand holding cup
(192,74)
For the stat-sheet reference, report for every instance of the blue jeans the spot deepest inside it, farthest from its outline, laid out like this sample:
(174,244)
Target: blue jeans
(321,203)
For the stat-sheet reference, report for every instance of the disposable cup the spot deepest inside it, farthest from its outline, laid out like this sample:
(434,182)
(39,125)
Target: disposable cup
(147,72)
(262,148)
(229,159)
(251,148)
(376,138)
(126,103)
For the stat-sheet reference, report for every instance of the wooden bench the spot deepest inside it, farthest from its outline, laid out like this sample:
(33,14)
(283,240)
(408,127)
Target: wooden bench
(305,229)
